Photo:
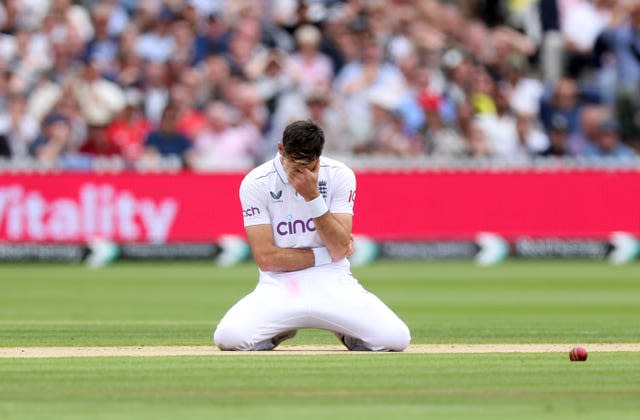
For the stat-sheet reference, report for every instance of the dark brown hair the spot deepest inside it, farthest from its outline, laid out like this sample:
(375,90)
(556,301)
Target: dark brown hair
(303,141)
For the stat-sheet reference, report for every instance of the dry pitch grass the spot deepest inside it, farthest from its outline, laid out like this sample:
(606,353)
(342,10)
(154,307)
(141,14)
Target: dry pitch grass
(156,351)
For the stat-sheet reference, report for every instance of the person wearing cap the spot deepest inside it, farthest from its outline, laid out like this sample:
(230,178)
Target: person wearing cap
(308,66)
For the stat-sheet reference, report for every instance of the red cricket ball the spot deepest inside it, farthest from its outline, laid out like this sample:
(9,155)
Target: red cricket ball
(578,354)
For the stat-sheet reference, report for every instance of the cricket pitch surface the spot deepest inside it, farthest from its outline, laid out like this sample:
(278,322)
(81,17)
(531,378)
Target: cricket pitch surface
(311,349)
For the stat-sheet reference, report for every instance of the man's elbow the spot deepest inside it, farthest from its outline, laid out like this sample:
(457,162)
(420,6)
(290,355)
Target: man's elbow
(341,252)
(263,262)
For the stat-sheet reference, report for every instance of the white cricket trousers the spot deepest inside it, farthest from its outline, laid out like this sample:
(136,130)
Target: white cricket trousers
(327,299)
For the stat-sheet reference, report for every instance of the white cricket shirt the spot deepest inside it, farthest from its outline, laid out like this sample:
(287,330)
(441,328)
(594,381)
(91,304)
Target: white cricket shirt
(268,198)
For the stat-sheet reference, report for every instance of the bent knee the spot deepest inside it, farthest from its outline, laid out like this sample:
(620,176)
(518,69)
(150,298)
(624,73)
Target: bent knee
(230,339)
(393,339)
(400,339)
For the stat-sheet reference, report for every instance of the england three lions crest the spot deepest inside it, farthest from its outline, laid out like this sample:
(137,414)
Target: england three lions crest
(322,187)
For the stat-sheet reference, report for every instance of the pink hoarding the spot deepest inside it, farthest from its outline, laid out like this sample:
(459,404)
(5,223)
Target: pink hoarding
(187,207)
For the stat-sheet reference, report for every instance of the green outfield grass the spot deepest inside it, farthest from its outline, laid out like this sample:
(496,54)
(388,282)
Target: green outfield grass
(368,386)
(162,303)
(452,302)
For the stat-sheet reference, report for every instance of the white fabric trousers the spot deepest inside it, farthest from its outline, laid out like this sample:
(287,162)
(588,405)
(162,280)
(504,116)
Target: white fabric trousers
(331,300)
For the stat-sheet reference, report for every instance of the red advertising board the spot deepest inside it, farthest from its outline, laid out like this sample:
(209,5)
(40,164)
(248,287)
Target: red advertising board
(458,204)
(188,207)
(129,207)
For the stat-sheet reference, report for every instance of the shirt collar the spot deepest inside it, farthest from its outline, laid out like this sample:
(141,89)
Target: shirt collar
(277,162)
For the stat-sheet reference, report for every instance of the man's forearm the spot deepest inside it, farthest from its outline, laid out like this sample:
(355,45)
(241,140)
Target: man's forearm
(285,259)
(335,236)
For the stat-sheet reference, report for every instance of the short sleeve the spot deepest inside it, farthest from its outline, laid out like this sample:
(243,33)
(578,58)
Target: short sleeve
(254,203)
(343,191)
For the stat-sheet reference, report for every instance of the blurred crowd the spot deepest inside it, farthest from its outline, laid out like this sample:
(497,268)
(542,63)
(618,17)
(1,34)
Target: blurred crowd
(210,84)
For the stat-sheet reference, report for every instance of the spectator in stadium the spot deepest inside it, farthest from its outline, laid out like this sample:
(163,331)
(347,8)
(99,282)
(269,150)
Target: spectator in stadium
(476,39)
(265,62)
(128,68)
(166,141)
(608,143)
(526,90)
(477,143)
(564,101)
(623,40)
(216,74)
(387,135)
(55,141)
(244,43)
(268,74)
(102,48)
(212,37)
(158,44)
(419,91)
(129,130)
(558,138)
(184,39)
(591,116)
(357,80)
(339,41)
(97,143)
(17,127)
(482,91)
(191,120)
(252,111)
(443,140)
(457,72)
(500,126)
(531,137)
(156,89)
(224,145)
(325,111)
(582,25)
(28,54)
(98,99)
(505,42)
(118,16)
(68,106)
(308,67)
